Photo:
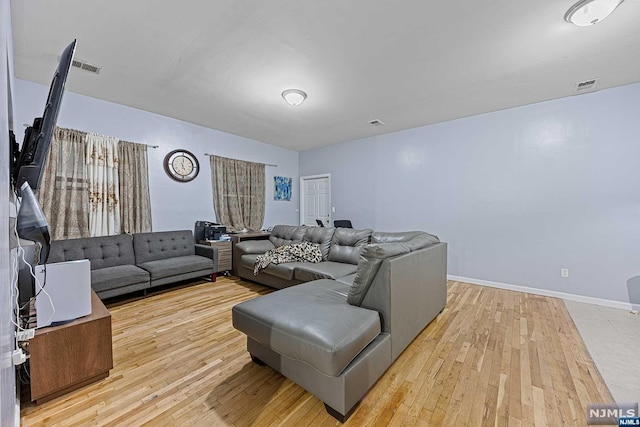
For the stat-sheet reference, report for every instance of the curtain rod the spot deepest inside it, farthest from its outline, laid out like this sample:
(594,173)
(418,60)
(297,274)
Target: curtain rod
(140,143)
(266,164)
(148,145)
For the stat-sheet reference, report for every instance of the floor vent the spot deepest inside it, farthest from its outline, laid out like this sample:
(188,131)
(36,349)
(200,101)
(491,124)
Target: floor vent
(376,122)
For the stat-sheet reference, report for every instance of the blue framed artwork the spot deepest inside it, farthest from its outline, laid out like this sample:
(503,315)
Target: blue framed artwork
(282,188)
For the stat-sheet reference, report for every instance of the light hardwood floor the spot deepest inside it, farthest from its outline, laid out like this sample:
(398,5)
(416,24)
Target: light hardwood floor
(491,357)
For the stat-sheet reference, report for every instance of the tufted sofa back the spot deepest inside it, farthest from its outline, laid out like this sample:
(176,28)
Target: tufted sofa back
(347,244)
(162,245)
(287,234)
(321,236)
(102,252)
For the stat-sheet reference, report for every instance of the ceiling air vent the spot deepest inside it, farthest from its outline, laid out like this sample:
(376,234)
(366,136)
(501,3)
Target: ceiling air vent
(586,85)
(84,65)
(376,122)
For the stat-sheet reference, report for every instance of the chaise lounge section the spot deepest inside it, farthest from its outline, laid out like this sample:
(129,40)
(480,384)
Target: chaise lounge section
(337,337)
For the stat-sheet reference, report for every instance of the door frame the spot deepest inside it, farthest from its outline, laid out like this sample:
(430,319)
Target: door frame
(302,194)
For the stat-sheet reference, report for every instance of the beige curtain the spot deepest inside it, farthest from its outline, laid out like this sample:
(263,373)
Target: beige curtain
(238,192)
(63,191)
(101,159)
(133,176)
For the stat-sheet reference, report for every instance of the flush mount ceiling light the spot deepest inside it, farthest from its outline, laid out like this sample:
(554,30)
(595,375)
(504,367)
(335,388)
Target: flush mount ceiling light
(294,96)
(589,12)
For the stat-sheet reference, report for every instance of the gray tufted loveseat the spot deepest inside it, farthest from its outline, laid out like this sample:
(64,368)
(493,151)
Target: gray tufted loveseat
(127,263)
(361,307)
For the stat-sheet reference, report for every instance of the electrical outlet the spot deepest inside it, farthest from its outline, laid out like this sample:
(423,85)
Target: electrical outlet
(25,335)
(564,272)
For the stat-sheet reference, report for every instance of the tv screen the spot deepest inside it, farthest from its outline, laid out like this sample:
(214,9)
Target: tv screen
(28,163)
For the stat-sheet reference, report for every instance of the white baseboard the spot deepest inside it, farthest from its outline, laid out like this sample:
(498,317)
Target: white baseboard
(545,292)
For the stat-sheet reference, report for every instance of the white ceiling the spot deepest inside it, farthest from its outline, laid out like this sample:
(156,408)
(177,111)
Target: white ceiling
(224,63)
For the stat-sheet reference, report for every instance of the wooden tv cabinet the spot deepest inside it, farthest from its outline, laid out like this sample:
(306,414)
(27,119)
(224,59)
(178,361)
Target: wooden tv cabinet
(70,356)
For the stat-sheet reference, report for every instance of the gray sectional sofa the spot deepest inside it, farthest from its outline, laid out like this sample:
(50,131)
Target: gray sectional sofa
(127,263)
(340,247)
(336,334)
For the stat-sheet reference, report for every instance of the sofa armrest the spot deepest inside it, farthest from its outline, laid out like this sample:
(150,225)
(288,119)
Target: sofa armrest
(208,252)
(254,247)
(409,291)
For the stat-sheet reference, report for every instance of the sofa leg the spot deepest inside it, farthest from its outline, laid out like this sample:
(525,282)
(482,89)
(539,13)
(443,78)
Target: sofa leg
(337,415)
(257,361)
(214,276)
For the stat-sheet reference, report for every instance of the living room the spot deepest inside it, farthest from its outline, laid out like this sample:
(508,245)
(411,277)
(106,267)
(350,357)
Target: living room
(521,194)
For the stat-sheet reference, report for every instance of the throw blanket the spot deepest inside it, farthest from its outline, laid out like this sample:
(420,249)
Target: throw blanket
(296,252)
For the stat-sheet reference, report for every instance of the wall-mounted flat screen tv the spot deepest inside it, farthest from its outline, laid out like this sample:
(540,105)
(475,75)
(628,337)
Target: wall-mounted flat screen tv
(28,161)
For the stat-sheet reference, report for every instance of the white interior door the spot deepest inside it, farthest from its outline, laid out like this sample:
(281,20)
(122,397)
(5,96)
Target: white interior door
(315,202)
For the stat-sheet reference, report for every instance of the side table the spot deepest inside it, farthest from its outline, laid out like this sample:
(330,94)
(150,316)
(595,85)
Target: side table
(70,356)
(224,253)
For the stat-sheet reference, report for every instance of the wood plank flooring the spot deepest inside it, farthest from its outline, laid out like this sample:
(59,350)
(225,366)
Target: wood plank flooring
(492,357)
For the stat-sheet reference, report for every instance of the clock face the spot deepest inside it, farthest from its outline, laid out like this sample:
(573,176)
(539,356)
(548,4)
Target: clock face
(181,165)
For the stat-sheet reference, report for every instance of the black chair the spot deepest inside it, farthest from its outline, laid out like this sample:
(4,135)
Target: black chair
(320,223)
(342,223)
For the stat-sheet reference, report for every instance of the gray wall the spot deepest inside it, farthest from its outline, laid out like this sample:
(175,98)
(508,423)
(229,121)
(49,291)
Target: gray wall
(8,414)
(518,194)
(174,205)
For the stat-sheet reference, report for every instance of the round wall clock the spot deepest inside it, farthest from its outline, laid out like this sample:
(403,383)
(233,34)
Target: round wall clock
(181,165)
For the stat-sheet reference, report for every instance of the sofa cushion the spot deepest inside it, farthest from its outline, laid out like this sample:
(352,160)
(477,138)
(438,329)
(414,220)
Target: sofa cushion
(286,234)
(386,250)
(367,270)
(347,280)
(248,260)
(347,244)
(308,271)
(370,261)
(117,277)
(401,236)
(104,251)
(162,245)
(254,246)
(285,270)
(422,241)
(321,236)
(311,322)
(175,266)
